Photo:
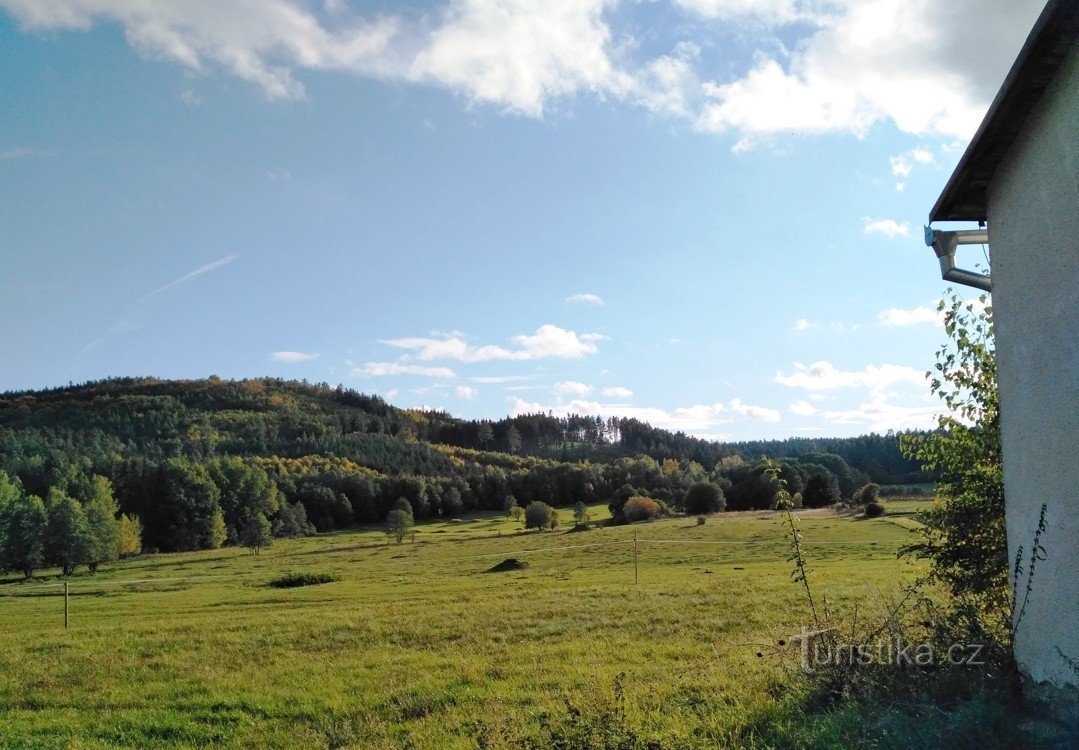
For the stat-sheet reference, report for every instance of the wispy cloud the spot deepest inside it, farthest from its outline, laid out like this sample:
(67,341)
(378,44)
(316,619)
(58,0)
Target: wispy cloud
(617,392)
(130,321)
(896,316)
(548,341)
(191,275)
(824,376)
(466,392)
(292,357)
(22,153)
(803,325)
(888,227)
(381,369)
(586,298)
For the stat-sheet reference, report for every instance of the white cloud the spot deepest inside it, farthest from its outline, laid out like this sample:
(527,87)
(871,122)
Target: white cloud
(617,392)
(548,341)
(496,379)
(379,369)
(571,388)
(755,413)
(888,227)
(292,357)
(802,409)
(918,63)
(803,325)
(466,392)
(879,415)
(587,298)
(823,376)
(916,315)
(521,53)
(697,420)
(841,65)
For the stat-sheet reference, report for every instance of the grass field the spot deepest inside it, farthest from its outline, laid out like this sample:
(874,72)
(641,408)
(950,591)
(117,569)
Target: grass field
(417,646)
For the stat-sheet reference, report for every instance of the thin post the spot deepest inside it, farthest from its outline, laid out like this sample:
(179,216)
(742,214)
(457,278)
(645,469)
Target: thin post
(65,605)
(636,569)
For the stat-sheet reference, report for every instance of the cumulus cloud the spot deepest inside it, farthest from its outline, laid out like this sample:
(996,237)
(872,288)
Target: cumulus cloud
(888,227)
(754,413)
(617,392)
(802,409)
(803,325)
(467,393)
(380,369)
(896,316)
(571,388)
(842,65)
(587,298)
(878,415)
(549,341)
(824,376)
(292,357)
(903,164)
(918,63)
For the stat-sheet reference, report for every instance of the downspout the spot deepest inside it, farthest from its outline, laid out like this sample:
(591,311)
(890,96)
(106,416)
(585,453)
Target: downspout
(944,245)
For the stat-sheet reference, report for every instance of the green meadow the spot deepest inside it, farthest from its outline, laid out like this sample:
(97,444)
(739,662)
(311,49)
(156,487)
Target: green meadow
(418,646)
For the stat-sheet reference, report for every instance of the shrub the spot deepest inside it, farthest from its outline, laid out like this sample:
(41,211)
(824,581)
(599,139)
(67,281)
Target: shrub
(704,497)
(874,510)
(640,509)
(702,520)
(538,515)
(867,494)
(295,580)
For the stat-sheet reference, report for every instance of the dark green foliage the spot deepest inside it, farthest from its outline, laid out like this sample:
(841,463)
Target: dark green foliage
(295,580)
(874,510)
(255,532)
(965,538)
(246,491)
(538,515)
(867,494)
(67,533)
(821,490)
(704,497)
(292,522)
(24,532)
(452,506)
(398,522)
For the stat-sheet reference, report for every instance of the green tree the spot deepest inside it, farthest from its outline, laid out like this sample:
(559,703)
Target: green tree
(67,532)
(538,515)
(509,504)
(10,492)
(513,439)
(580,513)
(101,510)
(964,536)
(245,491)
(704,497)
(255,532)
(218,531)
(129,536)
(292,522)
(867,494)
(485,434)
(821,490)
(451,503)
(398,522)
(24,538)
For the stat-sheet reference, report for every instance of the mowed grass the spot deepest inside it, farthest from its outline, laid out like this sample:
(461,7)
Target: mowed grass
(417,646)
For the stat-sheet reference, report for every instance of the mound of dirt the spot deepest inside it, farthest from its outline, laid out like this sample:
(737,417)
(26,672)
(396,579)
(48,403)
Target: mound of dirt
(578,527)
(510,563)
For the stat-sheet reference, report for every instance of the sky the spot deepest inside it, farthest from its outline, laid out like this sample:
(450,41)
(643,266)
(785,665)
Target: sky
(706,214)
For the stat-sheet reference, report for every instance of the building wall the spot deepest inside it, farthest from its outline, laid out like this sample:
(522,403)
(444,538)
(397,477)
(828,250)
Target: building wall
(1033,218)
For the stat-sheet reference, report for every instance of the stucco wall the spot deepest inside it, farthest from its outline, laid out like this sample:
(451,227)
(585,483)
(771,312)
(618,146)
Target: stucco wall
(1033,218)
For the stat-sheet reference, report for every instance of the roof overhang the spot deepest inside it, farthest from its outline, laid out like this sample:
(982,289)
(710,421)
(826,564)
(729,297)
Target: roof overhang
(1054,37)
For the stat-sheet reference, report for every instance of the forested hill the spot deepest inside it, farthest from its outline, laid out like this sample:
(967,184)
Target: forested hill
(346,456)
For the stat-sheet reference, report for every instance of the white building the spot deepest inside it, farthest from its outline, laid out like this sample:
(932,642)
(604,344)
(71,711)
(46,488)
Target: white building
(1020,176)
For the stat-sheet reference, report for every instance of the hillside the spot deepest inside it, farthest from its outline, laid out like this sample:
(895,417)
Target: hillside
(176,450)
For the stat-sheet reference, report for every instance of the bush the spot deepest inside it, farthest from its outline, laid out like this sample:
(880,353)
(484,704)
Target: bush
(704,497)
(701,520)
(874,510)
(540,515)
(295,580)
(640,509)
(867,494)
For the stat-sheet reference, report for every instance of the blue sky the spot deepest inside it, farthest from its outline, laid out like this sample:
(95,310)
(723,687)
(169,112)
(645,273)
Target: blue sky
(704,213)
